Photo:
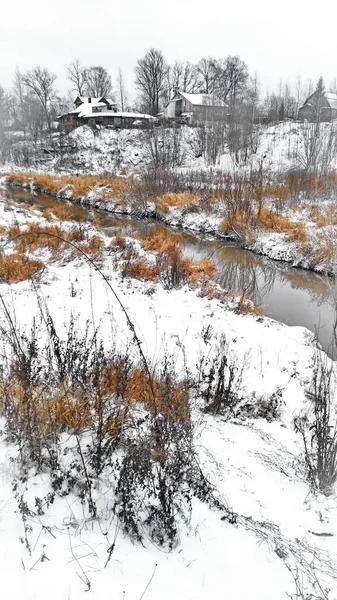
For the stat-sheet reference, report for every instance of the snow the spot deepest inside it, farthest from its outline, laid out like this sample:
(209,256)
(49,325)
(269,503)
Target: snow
(256,465)
(200,99)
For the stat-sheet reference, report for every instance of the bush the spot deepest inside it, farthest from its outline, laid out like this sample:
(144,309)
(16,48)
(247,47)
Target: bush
(220,380)
(318,426)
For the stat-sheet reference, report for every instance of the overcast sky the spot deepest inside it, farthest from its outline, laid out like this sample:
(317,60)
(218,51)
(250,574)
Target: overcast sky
(275,39)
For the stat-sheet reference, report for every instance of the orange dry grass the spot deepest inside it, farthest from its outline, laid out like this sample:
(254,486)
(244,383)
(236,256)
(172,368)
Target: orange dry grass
(246,305)
(202,270)
(80,185)
(166,396)
(160,239)
(65,212)
(92,248)
(34,237)
(68,409)
(16,267)
(239,221)
(274,222)
(140,269)
(167,201)
(119,241)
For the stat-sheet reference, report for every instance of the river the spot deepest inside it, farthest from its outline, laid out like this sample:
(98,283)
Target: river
(292,296)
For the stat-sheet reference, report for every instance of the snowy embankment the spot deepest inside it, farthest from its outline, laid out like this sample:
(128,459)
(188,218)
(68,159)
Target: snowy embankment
(255,464)
(279,149)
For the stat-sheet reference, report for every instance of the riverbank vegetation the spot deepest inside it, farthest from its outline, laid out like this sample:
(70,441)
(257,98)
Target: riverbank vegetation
(133,385)
(294,212)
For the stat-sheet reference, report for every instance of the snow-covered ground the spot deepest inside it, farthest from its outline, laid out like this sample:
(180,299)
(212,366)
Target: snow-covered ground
(281,147)
(255,464)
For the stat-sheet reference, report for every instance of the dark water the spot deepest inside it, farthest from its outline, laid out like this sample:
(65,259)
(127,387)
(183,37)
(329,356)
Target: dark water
(292,296)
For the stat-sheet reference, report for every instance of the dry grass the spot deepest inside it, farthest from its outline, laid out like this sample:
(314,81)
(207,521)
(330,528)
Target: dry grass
(240,222)
(165,396)
(91,248)
(322,250)
(244,224)
(119,241)
(48,412)
(246,305)
(273,222)
(34,237)
(17,267)
(66,212)
(80,185)
(167,201)
(202,271)
(140,269)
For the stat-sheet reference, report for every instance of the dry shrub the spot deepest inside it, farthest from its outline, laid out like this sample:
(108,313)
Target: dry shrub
(140,269)
(163,394)
(160,238)
(224,225)
(119,241)
(17,267)
(34,237)
(274,222)
(246,305)
(167,201)
(202,270)
(323,219)
(241,222)
(212,290)
(37,207)
(175,270)
(323,250)
(92,248)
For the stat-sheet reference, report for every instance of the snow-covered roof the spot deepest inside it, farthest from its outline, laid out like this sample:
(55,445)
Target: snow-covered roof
(332,99)
(200,99)
(95,101)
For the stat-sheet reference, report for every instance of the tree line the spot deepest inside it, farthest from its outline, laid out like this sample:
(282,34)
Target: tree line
(33,102)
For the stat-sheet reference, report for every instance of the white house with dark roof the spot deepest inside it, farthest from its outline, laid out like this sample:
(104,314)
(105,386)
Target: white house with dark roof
(319,106)
(195,108)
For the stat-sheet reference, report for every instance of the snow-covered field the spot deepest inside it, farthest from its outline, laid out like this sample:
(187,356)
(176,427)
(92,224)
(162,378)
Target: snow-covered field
(255,464)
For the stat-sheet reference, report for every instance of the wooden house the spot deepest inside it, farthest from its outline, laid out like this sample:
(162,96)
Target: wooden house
(195,108)
(101,111)
(320,106)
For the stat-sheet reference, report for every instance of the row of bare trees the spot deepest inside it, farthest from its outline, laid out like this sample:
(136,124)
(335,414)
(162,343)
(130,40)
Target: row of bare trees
(226,79)
(33,102)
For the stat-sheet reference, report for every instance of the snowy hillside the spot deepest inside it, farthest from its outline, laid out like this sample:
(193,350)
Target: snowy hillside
(125,152)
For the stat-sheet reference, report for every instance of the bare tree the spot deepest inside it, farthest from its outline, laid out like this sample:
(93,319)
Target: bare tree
(76,73)
(97,82)
(5,108)
(122,95)
(207,72)
(231,79)
(41,83)
(185,77)
(150,79)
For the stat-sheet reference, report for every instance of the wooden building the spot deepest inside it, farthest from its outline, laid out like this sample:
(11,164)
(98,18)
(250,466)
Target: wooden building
(195,108)
(319,107)
(101,111)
